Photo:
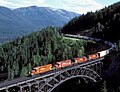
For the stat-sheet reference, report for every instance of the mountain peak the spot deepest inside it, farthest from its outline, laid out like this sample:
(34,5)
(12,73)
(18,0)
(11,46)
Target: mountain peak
(29,19)
(2,8)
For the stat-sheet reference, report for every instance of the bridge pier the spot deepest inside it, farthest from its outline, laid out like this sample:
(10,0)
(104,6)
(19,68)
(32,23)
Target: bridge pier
(21,89)
(7,90)
(37,82)
(29,85)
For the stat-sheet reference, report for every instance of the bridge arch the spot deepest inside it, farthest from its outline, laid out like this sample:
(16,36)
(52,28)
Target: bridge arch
(62,76)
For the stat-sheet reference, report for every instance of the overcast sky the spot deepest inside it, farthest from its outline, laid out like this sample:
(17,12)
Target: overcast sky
(79,6)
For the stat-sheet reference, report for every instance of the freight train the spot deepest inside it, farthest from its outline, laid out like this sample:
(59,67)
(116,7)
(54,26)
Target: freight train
(65,63)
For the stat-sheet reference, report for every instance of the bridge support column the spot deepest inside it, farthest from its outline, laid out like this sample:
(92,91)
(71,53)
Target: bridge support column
(7,90)
(29,85)
(37,82)
(21,89)
(99,68)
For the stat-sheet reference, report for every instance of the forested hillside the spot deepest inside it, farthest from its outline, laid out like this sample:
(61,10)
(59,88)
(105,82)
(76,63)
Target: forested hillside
(103,24)
(18,57)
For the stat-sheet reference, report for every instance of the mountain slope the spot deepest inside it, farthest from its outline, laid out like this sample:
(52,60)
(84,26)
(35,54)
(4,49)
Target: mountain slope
(45,16)
(104,24)
(11,24)
(25,20)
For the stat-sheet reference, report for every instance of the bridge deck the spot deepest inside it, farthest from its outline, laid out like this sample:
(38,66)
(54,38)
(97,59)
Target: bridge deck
(18,81)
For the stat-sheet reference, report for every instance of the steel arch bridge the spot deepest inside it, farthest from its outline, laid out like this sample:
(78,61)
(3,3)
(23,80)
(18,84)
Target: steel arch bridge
(90,70)
(69,74)
(48,81)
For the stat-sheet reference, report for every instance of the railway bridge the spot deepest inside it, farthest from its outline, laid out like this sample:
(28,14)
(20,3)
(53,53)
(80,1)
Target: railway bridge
(48,81)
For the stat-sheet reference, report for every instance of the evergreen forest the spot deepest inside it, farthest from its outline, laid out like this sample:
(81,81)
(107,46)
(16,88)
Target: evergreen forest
(18,57)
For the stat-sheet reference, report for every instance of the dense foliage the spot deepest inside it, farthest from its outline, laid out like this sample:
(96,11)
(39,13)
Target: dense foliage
(18,57)
(104,23)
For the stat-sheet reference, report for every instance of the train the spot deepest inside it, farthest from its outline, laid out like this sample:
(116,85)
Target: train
(66,63)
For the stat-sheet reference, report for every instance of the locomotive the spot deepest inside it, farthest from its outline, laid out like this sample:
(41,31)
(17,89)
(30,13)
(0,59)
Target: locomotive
(65,63)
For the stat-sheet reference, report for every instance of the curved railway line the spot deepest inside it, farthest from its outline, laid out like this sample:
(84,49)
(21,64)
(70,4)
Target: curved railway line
(100,54)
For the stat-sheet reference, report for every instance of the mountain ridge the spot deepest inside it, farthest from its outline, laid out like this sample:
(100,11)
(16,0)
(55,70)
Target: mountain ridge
(102,24)
(21,21)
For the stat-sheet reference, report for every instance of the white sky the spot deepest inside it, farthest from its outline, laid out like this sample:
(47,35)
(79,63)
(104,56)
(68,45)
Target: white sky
(79,6)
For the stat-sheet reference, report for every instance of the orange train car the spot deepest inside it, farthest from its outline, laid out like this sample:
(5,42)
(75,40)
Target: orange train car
(79,60)
(63,63)
(93,56)
(41,69)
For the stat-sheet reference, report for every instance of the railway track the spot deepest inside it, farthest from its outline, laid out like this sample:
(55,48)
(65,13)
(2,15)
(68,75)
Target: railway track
(102,53)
